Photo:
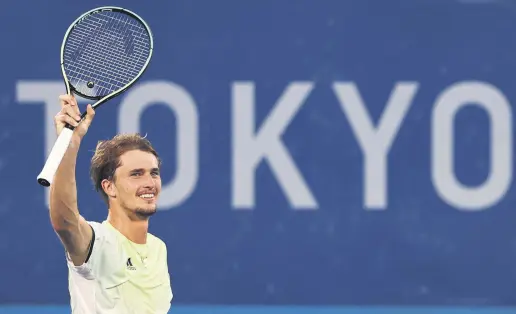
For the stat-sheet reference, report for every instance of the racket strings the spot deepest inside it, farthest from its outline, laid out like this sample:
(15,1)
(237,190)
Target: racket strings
(108,36)
(103,53)
(109,49)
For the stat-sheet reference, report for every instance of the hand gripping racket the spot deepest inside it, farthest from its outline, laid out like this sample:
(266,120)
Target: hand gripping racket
(104,52)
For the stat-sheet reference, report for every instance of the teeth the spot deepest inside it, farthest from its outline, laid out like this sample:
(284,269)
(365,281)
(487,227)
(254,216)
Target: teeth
(147,195)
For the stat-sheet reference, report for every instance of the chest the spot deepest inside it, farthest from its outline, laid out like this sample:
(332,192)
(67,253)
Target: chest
(145,269)
(137,282)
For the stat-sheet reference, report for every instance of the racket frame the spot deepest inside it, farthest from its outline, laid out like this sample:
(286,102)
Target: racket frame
(46,175)
(101,100)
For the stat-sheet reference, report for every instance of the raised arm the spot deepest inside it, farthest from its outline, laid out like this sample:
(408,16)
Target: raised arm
(73,230)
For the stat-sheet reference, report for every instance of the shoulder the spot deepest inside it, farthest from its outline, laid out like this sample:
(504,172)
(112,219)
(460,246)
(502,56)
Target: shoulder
(155,242)
(103,231)
(105,255)
(152,238)
(86,269)
(97,227)
(102,239)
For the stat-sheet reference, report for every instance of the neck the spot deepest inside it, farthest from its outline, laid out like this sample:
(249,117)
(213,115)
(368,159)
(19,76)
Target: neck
(133,229)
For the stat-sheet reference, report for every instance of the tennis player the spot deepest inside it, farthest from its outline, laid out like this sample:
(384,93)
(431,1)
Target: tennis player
(114,266)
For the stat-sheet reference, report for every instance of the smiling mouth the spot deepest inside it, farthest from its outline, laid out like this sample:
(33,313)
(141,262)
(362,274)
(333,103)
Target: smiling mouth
(148,196)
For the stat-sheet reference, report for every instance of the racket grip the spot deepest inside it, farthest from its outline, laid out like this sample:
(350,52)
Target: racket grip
(57,153)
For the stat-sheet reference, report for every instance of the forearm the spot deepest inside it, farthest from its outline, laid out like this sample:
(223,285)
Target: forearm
(64,212)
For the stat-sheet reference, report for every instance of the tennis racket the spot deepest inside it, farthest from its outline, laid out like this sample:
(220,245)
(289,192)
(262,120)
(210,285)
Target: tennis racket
(104,52)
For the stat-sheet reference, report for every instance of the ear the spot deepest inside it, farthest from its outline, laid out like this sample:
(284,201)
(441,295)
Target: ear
(109,188)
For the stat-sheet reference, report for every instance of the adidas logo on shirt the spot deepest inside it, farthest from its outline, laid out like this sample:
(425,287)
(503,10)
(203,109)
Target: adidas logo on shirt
(130,264)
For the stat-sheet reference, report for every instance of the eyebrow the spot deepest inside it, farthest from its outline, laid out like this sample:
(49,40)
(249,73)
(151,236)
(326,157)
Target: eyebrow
(142,170)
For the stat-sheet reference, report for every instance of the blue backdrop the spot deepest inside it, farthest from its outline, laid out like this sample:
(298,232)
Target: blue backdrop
(338,153)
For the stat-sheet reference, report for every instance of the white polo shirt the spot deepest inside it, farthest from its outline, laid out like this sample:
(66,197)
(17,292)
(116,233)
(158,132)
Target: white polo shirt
(115,279)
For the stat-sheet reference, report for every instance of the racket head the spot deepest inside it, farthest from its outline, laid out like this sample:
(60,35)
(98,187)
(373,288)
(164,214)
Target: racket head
(104,52)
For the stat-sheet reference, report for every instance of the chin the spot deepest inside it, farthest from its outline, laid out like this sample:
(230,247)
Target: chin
(146,212)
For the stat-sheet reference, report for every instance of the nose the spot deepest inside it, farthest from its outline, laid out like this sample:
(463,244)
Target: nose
(149,181)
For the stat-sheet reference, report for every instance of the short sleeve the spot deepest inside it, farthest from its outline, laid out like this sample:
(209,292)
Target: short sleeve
(88,269)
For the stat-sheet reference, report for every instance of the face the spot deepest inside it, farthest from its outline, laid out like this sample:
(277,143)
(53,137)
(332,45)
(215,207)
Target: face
(137,183)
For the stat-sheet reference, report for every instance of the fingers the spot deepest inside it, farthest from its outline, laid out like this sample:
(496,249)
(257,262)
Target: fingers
(68,110)
(69,105)
(71,115)
(63,118)
(67,100)
(90,114)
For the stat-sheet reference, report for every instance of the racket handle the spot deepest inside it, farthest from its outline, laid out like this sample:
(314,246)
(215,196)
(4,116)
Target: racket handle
(57,153)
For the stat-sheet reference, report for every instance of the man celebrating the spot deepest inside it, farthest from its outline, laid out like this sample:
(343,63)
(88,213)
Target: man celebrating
(115,266)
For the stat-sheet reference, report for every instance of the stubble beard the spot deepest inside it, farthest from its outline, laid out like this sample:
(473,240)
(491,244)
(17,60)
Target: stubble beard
(140,212)
(145,212)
